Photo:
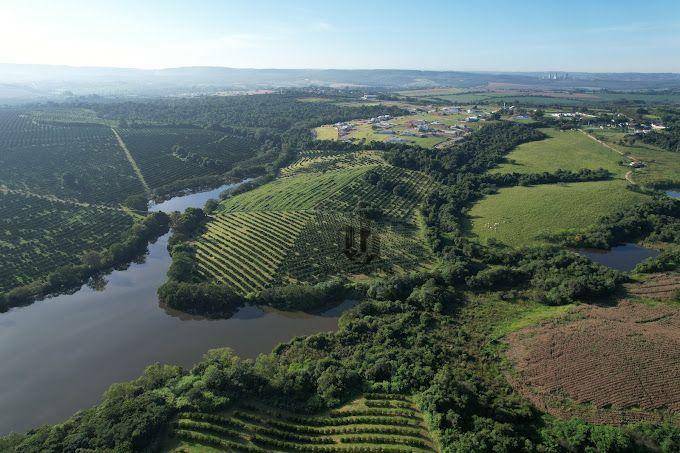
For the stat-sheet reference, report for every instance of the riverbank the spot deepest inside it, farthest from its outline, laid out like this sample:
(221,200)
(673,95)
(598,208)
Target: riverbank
(63,352)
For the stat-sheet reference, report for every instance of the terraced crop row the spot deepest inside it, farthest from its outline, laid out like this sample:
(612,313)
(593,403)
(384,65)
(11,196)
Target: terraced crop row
(305,191)
(311,163)
(38,235)
(353,428)
(399,202)
(245,249)
(318,251)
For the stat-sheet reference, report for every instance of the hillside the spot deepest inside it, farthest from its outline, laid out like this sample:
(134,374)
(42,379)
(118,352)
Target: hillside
(293,229)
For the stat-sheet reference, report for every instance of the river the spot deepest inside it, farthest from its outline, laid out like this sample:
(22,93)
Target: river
(60,354)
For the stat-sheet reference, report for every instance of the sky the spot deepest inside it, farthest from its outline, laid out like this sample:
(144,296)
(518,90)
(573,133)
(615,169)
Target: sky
(491,35)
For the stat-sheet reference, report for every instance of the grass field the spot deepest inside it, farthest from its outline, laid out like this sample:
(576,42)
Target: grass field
(567,150)
(519,215)
(374,423)
(326,133)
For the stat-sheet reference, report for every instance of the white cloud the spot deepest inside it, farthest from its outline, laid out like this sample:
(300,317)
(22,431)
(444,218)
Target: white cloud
(323,26)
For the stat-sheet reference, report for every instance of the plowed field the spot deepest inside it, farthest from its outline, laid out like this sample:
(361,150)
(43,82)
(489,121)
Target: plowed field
(605,364)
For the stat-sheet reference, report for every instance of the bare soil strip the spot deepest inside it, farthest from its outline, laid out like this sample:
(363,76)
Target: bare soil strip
(26,193)
(131,159)
(629,174)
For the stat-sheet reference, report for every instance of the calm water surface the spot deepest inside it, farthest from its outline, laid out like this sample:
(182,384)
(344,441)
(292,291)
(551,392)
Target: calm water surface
(59,355)
(623,257)
(673,193)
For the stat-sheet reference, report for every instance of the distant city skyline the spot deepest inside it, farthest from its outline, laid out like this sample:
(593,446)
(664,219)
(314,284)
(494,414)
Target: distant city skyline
(531,36)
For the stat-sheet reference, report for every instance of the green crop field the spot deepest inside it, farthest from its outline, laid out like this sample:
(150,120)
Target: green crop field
(376,422)
(74,161)
(520,215)
(322,162)
(291,229)
(304,191)
(567,150)
(38,235)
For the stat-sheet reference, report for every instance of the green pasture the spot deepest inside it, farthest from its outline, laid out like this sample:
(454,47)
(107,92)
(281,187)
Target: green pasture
(566,150)
(520,215)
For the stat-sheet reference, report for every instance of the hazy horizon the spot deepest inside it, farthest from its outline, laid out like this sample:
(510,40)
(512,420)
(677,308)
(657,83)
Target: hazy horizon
(430,36)
(481,71)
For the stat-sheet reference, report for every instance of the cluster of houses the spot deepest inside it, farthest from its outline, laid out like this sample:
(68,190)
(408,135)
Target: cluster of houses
(638,128)
(379,119)
(577,115)
(344,128)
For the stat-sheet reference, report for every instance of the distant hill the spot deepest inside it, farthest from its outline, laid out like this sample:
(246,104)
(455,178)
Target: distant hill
(43,82)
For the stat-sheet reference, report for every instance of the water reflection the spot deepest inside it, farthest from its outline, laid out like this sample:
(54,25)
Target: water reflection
(623,257)
(60,354)
(193,200)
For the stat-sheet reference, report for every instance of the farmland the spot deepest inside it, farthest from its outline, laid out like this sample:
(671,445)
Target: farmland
(630,352)
(290,229)
(539,97)
(567,150)
(39,235)
(520,215)
(69,160)
(451,342)
(67,174)
(317,161)
(304,191)
(376,422)
(152,149)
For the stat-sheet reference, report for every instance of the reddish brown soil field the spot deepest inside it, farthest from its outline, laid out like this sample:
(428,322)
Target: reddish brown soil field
(607,365)
(658,286)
